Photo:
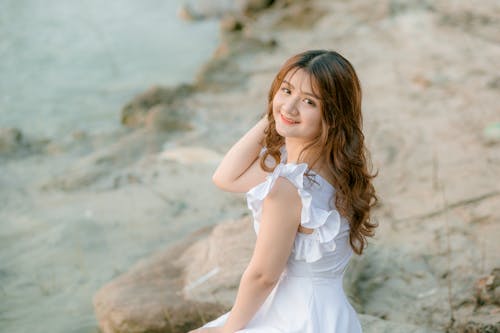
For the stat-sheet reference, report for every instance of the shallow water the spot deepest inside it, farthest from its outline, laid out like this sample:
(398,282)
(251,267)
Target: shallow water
(68,66)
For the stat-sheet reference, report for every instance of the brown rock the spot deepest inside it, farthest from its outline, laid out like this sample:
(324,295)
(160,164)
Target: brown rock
(487,288)
(171,291)
(253,6)
(161,117)
(135,113)
(298,16)
(230,23)
(214,265)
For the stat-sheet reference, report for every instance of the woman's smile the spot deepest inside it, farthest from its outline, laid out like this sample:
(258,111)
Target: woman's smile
(287,121)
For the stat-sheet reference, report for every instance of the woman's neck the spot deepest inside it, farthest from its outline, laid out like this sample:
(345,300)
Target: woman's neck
(293,150)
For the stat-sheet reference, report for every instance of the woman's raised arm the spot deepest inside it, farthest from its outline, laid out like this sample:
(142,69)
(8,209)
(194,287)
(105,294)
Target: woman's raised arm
(240,169)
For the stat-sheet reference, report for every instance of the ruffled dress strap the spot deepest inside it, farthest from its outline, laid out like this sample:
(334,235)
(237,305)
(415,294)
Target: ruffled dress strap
(326,224)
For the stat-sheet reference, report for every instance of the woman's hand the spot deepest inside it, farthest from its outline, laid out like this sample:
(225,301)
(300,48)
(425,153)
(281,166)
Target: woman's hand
(208,330)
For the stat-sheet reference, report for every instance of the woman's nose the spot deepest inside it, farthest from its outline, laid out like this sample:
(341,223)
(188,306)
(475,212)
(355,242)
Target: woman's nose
(290,105)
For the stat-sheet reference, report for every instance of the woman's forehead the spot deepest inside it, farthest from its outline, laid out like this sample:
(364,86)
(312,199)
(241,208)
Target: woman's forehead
(301,79)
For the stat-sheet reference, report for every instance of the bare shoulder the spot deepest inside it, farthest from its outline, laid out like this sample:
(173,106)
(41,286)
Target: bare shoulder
(284,190)
(283,202)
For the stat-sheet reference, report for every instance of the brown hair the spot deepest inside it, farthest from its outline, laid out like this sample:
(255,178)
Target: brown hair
(341,140)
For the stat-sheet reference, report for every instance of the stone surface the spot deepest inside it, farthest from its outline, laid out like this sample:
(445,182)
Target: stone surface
(158,108)
(10,139)
(190,155)
(202,9)
(149,297)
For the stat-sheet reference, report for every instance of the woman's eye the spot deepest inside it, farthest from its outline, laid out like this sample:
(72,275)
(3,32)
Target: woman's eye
(286,90)
(310,102)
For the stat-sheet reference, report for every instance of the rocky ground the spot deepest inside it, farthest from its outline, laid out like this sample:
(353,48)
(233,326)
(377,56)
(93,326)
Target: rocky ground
(430,76)
(430,87)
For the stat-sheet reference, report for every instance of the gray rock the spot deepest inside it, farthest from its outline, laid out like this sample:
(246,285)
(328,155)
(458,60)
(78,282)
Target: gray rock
(105,161)
(10,140)
(373,324)
(202,9)
(158,108)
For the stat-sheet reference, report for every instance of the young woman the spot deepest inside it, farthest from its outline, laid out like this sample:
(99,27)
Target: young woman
(304,170)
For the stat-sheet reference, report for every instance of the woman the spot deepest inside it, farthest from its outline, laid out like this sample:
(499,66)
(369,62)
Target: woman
(304,170)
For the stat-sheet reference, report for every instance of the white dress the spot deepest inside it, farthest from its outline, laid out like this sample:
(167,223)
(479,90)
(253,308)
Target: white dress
(309,297)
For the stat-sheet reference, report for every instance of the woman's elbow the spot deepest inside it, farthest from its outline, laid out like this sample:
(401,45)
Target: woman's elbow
(263,279)
(220,182)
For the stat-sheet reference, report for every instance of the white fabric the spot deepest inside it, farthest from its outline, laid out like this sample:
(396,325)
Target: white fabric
(309,297)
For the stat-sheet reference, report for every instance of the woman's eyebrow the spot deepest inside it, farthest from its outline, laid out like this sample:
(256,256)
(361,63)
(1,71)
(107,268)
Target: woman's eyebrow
(304,92)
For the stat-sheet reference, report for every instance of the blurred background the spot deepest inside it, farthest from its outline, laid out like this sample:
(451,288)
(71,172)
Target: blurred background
(67,68)
(114,115)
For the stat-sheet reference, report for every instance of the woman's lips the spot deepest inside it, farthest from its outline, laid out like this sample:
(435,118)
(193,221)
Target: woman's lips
(286,121)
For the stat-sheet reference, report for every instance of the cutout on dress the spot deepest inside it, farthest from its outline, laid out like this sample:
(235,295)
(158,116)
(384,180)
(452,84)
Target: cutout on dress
(304,230)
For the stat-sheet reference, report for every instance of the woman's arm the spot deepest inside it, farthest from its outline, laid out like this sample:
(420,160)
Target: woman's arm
(280,220)
(240,170)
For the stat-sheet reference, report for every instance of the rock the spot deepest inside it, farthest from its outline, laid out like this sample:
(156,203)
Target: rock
(169,103)
(190,155)
(494,83)
(178,289)
(222,72)
(230,24)
(14,144)
(487,288)
(406,277)
(297,16)
(373,324)
(148,298)
(184,12)
(213,267)
(397,7)
(201,273)
(161,117)
(254,6)
(10,140)
(91,168)
(202,9)
(475,327)
(479,20)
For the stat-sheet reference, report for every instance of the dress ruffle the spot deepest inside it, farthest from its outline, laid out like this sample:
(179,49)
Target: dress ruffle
(325,223)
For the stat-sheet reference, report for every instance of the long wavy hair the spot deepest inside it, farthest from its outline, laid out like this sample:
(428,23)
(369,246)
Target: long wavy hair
(341,140)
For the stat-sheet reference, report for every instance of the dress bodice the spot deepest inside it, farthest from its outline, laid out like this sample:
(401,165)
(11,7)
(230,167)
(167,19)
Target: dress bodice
(326,251)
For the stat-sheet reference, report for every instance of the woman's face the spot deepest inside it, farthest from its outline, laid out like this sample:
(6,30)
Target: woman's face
(296,110)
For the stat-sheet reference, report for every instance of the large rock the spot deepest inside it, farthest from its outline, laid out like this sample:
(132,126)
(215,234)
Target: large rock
(213,267)
(180,288)
(158,108)
(193,282)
